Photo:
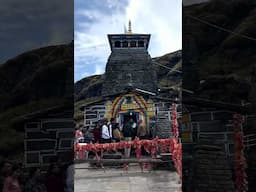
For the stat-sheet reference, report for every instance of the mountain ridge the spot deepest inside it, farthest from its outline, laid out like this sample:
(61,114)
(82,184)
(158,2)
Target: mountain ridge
(218,59)
(91,86)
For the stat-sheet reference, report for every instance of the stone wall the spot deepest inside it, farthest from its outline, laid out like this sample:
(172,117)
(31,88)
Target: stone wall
(46,139)
(215,126)
(129,67)
(211,170)
(92,114)
(208,148)
(250,150)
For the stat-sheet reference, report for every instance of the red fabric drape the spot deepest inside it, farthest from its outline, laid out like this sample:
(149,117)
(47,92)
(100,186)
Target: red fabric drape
(239,159)
(149,145)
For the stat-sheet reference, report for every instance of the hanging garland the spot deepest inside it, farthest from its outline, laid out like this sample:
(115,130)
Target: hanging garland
(239,159)
(177,152)
(149,145)
(174,121)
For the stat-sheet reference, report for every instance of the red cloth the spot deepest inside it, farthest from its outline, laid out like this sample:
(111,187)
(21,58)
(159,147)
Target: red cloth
(174,121)
(149,145)
(96,135)
(240,161)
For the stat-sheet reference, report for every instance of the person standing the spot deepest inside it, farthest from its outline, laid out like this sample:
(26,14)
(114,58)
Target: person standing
(106,132)
(79,132)
(134,129)
(110,128)
(11,183)
(117,136)
(6,169)
(142,131)
(35,183)
(97,133)
(142,134)
(128,132)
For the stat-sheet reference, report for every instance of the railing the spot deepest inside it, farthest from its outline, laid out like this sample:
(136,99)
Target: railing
(168,114)
(250,140)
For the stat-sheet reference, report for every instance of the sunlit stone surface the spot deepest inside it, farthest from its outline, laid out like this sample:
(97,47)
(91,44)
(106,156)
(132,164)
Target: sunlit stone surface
(117,180)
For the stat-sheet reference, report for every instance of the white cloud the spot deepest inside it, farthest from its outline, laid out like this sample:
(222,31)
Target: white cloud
(162,19)
(99,69)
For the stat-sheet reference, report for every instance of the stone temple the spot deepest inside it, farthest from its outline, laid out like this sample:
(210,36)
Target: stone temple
(129,65)
(130,87)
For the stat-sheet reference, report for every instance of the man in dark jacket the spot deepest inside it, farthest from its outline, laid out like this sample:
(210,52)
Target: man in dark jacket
(129,131)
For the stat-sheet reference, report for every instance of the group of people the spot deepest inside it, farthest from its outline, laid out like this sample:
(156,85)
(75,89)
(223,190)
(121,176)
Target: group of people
(58,178)
(107,131)
(110,131)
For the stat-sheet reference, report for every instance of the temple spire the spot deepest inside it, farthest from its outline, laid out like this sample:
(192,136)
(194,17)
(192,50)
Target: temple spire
(129,27)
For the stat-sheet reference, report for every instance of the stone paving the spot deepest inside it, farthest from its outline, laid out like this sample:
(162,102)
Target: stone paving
(118,180)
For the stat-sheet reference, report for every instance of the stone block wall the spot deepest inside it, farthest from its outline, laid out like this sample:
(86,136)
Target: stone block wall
(213,126)
(211,170)
(129,68)
(46,139)
(92,114)
(250,150)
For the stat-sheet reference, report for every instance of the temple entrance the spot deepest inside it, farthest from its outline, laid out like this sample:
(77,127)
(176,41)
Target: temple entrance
(125,117)
(128,116)
(130,105)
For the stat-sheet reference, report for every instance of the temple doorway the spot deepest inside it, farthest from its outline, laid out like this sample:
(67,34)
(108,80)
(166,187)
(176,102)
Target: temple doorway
(128,116)
(125,117)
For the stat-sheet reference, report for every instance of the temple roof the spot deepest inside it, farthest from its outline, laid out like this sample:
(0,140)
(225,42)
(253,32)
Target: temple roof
(140,40)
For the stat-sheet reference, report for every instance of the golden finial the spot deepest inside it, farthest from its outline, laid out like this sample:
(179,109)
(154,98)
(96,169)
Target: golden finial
(129,27)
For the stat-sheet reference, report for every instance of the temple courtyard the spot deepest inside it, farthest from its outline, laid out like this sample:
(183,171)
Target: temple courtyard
(116,179)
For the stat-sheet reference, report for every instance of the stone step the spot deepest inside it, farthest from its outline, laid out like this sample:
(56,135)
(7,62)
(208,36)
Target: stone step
(114,155)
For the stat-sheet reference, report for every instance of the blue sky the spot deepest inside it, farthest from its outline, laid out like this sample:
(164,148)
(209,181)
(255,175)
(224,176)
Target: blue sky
(94,19)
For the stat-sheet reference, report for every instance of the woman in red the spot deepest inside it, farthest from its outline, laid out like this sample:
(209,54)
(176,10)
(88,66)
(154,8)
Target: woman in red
(97,133)
(79,132)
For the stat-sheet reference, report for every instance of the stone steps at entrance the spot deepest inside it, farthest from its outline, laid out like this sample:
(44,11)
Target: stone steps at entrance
(115,155)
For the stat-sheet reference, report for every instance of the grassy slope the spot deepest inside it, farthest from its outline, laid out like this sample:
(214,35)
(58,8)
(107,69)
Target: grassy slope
(25,85)
(223,59)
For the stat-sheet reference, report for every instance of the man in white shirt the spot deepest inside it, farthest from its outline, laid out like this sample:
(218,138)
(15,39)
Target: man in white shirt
(106,132)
